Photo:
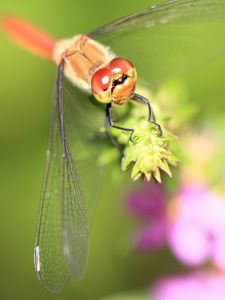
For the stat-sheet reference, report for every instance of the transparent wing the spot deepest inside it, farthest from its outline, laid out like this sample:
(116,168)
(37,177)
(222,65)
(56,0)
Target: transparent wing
(71,187)
(168,39)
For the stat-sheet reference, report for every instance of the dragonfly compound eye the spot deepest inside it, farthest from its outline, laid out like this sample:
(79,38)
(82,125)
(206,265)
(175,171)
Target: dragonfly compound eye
(124,80)
(101,83)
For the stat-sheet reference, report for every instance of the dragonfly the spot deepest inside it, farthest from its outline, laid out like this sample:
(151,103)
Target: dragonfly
(157,43)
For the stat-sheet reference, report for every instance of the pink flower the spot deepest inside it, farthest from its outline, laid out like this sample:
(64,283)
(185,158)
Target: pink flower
(148,203)
(192,225)
(197,232)
(198,285)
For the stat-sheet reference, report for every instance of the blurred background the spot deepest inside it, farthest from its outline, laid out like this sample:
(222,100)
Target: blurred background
(25,100)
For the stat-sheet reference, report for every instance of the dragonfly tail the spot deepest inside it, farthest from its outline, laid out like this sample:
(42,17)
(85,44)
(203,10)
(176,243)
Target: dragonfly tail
(28,36)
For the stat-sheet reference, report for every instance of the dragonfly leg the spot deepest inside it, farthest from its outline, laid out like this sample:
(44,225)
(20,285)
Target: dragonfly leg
(111,138)
(151,116)
(110,123)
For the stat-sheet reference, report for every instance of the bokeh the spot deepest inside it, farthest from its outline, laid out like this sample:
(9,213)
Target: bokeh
(25,98)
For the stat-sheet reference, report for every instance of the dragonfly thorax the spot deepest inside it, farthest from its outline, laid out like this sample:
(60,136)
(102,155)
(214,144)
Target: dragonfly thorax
(93,67)
(83,56)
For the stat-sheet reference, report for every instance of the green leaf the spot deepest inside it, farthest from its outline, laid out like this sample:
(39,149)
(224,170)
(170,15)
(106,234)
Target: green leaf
(128,296)
(148,153)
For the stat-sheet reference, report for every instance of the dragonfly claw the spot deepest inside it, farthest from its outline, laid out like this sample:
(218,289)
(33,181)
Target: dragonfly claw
(158,127)
(131,137)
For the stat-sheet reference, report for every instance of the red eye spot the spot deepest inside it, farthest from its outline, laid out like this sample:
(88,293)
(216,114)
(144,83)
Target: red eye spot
(101,80)
(120,65)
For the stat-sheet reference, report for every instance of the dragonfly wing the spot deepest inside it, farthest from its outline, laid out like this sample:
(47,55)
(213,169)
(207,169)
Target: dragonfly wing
(168,39)
(50,262)
(67,204)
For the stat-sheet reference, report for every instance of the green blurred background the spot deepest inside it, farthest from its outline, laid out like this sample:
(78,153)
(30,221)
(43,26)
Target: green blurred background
(25,96)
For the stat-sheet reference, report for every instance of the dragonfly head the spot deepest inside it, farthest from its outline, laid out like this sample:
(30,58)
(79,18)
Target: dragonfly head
(115,82)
